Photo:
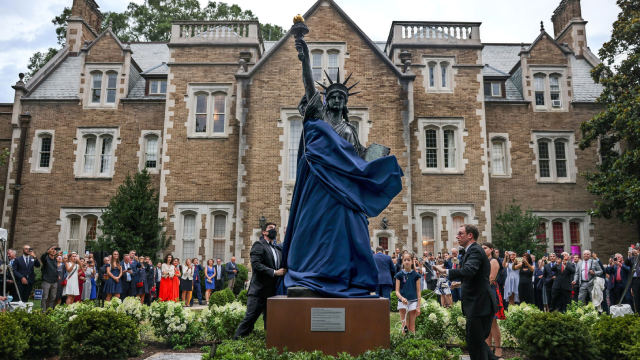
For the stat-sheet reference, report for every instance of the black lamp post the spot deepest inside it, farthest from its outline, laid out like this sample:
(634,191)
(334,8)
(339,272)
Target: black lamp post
(262,221)
(385,223)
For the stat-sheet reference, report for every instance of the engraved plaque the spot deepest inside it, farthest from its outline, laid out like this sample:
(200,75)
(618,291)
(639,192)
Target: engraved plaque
(327,319)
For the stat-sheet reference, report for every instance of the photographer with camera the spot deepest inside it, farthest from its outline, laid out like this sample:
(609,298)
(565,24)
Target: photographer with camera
(24,271)
(49,278)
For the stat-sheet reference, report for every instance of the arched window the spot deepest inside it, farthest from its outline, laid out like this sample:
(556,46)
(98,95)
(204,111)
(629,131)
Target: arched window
(44,155)
(201,113)
(558,237)
(105,154)
(316,65)
(428,234)
(431,136)
(449,149)
(96,87)
(219,101)
(543,156)
(432,74)
(73,244)
(112,81)
(90,154)
(189,236)
(538,81)
(576,241)
(92,228)
(444,66)
(334,65)
(498,157)
(457,221)
(554,91)
(219,235)
(295,132)
(542,231)
(151,153)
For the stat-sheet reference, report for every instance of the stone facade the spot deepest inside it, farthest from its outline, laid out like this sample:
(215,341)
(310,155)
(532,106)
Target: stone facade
(466,121)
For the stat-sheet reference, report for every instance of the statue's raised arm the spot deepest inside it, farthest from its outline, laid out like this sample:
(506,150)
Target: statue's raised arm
(307,75)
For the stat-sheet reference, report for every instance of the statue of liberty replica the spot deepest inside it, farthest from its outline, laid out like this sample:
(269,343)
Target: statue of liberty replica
(339,185)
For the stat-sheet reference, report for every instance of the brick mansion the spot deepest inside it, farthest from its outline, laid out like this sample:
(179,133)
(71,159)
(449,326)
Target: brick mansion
(212,114)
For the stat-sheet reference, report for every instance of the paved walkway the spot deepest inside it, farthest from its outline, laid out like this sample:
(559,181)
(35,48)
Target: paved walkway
(196,356)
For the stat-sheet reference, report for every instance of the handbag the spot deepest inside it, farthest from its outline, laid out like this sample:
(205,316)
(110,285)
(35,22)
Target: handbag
(64,282)
(140,284)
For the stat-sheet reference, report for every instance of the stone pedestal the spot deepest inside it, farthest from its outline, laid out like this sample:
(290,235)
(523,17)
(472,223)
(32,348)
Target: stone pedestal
(366,324)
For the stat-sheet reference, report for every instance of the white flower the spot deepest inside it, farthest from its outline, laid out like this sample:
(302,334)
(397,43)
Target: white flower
(433,318)
(73,317)
(462,322)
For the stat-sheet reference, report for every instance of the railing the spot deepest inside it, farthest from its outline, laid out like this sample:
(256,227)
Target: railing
(215,32)
(424,32)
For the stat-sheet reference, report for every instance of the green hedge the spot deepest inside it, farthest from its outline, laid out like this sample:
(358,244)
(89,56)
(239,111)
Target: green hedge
(242,297)
(393,302)
(222,298)
(41,332)
(11,346)
(617,338)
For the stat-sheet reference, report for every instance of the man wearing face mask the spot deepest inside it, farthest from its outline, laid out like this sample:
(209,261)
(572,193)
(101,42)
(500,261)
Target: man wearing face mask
(266,260)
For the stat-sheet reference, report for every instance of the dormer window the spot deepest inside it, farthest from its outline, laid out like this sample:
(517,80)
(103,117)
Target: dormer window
(438,74)
(96,87)
(547,93)
(157,87)
(102,89)
(493,89)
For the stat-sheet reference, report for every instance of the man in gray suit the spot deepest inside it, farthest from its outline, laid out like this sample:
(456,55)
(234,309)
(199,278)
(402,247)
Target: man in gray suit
(586,270)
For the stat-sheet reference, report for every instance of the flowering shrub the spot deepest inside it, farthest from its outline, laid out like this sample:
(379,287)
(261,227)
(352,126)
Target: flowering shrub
(515,317)
(222,321)
(175,325)
(458,325)
(433,322)
(62,314)
(588,314)
(132,307)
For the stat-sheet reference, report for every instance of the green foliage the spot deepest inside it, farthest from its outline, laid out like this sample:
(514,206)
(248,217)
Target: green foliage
(222,321)
(242,297)
(101,335)
(458,324)
(515,316)
(616,180)
(221,298)
(433,322)
(272,32)
(393,302)
(38,60)
(517,231)
(587,314)
(241,276)
(175,325)
(615,336)
(42,334)
(11,346)
(62,314)
(130,221)
(554,336)
(61,25)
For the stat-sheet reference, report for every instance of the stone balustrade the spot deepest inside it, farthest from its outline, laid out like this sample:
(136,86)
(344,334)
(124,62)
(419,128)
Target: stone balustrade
(215,32)
(429,32)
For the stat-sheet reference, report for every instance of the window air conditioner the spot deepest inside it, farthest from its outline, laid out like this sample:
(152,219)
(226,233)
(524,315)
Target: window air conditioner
(556,103)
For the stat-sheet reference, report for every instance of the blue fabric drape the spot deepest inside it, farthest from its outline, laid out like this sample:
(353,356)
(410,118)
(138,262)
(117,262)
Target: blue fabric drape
(327,246)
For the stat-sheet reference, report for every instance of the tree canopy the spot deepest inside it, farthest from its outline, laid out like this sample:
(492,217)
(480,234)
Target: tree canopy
(515,230)
(617,129)
(151,21)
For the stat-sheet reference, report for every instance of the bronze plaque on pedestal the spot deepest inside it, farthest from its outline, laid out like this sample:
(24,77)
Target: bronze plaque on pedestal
(331,325)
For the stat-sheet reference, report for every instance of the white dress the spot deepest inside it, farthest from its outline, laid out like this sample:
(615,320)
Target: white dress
(442,288)
(72,287)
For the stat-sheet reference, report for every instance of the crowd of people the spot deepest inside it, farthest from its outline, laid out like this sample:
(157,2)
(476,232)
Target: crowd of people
(68,278)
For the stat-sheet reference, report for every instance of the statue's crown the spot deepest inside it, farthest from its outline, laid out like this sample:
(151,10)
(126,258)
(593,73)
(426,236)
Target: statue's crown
(338,86)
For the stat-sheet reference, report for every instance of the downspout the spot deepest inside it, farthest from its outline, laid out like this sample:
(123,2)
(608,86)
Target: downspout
(407,119)
(241,115)
(24,127)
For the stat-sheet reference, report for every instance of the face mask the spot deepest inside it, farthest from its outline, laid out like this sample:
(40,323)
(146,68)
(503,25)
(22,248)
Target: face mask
(272,234)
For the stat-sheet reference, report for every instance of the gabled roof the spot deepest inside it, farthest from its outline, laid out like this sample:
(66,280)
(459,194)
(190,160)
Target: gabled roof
(108,30)
(160,69)
(553,41)
(375,48)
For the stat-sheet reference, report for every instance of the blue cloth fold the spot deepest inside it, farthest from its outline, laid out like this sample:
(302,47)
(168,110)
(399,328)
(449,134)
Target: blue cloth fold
(327,245)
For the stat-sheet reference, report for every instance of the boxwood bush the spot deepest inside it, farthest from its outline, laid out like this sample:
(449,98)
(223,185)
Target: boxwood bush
(221,298)
(42,334)
(393,302)
(555,336)
(101,334)
(242,297)
(616,336)
(11,346)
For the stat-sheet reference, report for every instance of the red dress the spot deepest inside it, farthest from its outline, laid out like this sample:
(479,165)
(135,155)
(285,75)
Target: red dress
(176,285)
(166,289)
(80,286)
(500,314)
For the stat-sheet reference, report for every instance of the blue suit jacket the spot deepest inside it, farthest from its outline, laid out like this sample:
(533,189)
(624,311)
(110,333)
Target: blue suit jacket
(22,269)
(135,271)
(386,268)
(230,267)
(612,271)
(196,273)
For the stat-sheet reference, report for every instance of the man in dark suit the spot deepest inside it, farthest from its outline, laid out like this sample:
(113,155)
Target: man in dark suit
(266,260)
(130,277)
(157,277)
(386,272)
(635,282)
(197,288)
(561,291)
(101,281)
(618,276)
(232,271)
(478,300)
(221,274)
(24,271)
(549,277)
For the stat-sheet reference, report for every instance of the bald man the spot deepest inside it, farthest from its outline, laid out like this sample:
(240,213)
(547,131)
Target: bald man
(24,270)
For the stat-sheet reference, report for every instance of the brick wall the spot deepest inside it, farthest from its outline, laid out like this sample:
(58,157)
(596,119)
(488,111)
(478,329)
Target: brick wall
(106,49)
(547,53)
(567,10)
(88,10)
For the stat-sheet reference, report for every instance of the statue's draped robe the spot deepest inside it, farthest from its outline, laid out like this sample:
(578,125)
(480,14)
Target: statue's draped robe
(327,245)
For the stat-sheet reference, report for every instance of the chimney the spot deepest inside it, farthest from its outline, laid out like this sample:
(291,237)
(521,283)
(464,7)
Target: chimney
(569,27)
(83,24)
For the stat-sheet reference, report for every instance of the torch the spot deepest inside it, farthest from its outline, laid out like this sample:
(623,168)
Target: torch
(299,30)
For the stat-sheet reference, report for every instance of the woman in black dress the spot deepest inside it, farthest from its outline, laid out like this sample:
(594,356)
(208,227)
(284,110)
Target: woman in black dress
(525,287)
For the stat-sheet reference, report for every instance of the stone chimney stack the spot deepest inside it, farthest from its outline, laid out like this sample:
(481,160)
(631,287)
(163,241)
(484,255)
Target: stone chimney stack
(569,27)
(83,25)
(89,11)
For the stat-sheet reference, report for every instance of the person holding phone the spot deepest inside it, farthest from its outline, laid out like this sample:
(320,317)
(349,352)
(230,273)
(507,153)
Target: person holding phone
(49,278)
(72,289)
(512,280)
(24,271)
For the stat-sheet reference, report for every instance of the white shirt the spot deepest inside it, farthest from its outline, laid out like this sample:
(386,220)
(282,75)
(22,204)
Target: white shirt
(275,254)
(218,271)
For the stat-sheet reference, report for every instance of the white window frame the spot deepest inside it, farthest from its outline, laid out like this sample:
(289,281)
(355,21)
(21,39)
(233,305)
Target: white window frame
(212,90)
(88,85)
(546,72)
(439,63)
(142,152)
(440,125)
(36,146)
(82,134)
(491,84)
(568,137)
(506,148)
(566,218)
(196,240)
(64,221)
(388,233)
(159,86)
(209,209)
(438,211)
(325,48)
(360,115)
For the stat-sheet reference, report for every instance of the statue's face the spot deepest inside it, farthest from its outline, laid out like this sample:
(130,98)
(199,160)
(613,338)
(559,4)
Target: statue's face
(336,101)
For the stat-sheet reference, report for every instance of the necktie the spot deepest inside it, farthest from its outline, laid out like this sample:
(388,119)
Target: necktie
(586,271)
(618,277)
(562,270)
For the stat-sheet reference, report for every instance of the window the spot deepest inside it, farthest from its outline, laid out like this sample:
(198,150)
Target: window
(157,87)
(554,91)
(90,154)
(73,241)
(493,89)
(105,156)
(316,65)
(112,80)
(574,231)
(208,116)
(96,150)
(539,88)
(439,145)
(436,225)
(457,222)
(555,156)
(92,228)
(189,236)
(96,87)
(78,228)
(295,132)
(607,150)
(219,236)
(327,57)
(542,232)
(384,243)
(558,237)
(438,74)
(428,234)
(151,155)
(45,151)
(498,158)
(333,66)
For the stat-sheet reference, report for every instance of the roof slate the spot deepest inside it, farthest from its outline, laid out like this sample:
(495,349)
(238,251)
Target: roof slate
(63,83)
(489,70)
(584,89)
(501,57)
(149,55)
